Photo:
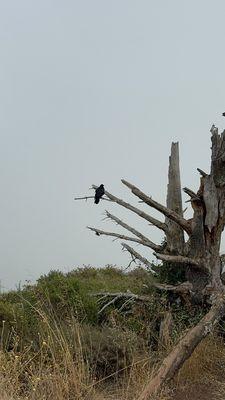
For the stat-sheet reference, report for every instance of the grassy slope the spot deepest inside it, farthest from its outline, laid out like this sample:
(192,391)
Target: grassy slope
(55,346)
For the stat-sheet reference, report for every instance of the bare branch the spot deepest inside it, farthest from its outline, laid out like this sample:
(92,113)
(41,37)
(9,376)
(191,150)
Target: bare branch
(177,259)
(134,231)
(128,296)
(141,213)
(137,255)
(192,194)
(114,299)
(90,197)
(164,210)
(123,237)
(133,260)
(185,287)
(202,173)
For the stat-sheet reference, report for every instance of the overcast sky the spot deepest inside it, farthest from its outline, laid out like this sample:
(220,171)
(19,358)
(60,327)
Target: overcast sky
(93,91)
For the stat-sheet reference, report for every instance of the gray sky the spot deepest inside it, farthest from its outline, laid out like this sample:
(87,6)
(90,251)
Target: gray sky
(93,91)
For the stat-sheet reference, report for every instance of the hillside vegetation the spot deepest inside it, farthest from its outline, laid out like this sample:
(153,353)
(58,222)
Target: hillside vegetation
(57,341)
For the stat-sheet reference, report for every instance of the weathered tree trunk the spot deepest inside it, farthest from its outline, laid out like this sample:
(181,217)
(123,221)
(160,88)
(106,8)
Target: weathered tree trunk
(174,234)
(202,246)
(199,255)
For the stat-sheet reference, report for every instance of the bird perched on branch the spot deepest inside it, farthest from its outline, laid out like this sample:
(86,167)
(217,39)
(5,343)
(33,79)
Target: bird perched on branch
(223,114)
(99,192)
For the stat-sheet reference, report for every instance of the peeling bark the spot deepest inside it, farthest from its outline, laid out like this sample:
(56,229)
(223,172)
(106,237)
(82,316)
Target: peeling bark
(211,202)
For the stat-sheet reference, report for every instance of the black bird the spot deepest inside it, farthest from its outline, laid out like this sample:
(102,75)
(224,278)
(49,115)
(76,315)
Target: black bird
(223,114)
(99,193)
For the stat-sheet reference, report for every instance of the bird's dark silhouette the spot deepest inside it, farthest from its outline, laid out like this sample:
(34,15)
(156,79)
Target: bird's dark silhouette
(223,114)
(99,192)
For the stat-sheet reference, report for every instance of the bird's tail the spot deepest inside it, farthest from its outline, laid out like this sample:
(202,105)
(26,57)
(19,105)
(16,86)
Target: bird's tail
(96,200)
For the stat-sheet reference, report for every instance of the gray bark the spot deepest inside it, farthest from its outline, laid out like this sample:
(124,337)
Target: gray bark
(174,234)
(199,255)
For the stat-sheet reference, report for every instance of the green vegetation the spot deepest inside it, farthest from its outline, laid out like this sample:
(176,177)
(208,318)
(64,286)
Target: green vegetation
(56,344)
(64,295)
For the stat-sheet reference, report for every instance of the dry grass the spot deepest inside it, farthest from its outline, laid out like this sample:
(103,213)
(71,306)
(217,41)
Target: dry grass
(202,376)
(57,368)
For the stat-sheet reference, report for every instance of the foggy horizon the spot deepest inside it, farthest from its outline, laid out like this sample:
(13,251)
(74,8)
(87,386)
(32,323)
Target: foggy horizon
(91,93)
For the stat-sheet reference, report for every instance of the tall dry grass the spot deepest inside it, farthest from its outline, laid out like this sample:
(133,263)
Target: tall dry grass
(59,365)
(64,361)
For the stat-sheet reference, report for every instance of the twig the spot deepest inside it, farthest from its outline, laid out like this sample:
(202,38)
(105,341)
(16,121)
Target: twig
(108,304)
(90,197)
(130,297)
(133,260)
(138,256)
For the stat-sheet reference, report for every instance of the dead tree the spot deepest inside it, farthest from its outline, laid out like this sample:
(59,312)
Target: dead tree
(198,255)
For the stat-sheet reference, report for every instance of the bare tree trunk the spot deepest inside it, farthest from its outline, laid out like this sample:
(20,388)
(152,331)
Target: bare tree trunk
(174,233)
(203,247)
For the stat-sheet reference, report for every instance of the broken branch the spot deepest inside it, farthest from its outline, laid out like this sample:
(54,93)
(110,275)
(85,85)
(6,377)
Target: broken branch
(120,236)
(128,296)
(190,193)
(137,255)
(177,259)
(202,173)
(185,287)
